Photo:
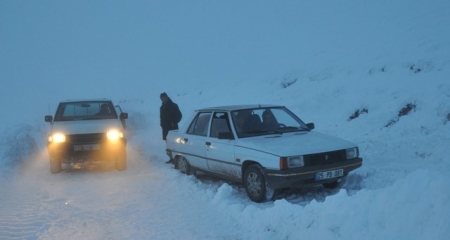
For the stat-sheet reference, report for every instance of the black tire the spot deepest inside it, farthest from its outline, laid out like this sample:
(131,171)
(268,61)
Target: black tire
(182,164)
(55,165)
(256,185)
(121,161)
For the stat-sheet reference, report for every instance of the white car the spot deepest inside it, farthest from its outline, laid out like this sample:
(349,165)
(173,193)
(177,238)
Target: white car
(86,131)
(264,147)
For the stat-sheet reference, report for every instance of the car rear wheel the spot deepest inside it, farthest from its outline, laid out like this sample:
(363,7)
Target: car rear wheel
(183,165)
(55,165)
(256,185)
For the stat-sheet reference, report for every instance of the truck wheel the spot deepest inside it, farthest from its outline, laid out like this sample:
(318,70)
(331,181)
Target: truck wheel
(256,185)
(183,165)
(121,161)
(55,165)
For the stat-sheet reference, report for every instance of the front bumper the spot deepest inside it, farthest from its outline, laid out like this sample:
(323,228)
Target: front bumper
(305,176)
(94,152)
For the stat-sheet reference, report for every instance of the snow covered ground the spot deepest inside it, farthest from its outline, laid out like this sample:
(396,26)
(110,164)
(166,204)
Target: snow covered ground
(389,61)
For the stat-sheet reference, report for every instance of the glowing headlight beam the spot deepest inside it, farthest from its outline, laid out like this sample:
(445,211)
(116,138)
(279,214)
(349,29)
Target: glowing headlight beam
(57,138)
(114,135)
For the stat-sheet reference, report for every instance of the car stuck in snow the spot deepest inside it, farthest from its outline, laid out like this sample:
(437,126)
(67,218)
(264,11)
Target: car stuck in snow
(263,147)
(87,131)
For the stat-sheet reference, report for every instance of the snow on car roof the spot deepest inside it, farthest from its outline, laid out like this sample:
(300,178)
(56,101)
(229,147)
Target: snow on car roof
(238,107)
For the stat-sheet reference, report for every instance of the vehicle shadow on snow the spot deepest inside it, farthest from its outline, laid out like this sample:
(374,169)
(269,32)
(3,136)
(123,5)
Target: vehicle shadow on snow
(352,184)
(303,196)
(88,167)
(300,196)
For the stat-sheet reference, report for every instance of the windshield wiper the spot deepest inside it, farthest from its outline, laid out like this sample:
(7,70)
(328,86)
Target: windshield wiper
(294,129)
(261,132)
(274,132)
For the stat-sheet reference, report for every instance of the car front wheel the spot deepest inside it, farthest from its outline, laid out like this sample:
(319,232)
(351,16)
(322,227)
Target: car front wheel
(256,185)
(183,165)
(121,161)
(55,165)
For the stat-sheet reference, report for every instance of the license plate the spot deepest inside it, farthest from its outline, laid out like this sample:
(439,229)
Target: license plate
(330,174)
(86,147)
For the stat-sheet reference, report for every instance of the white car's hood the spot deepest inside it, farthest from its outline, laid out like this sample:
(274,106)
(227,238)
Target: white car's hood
(86,126)
(291,144)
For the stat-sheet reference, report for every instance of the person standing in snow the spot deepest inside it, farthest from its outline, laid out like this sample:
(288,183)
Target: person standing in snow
(170,115)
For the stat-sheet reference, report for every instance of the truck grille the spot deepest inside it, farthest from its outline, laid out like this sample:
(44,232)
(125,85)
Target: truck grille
(324,158)
(85,138)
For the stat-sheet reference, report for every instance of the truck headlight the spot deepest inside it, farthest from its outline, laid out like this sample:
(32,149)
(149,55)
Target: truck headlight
(57,138)
(352,153)
(114,135)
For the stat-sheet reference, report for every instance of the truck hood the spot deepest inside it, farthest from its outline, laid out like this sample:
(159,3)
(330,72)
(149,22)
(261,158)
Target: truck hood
(86,126)
(298,143)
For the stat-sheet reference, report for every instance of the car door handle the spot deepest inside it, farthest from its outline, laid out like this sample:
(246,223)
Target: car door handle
(208,143)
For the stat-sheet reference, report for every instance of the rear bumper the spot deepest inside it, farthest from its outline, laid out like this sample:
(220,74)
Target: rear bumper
(305,176)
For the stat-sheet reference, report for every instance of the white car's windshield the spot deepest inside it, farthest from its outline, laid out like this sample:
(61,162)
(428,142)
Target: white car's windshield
(263,121)
(85,111)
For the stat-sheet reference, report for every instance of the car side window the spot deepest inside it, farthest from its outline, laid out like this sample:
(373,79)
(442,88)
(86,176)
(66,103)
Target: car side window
(219,124)
(199,126)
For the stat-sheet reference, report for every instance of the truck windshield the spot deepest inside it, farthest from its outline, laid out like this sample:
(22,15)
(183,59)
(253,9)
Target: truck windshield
(70,111)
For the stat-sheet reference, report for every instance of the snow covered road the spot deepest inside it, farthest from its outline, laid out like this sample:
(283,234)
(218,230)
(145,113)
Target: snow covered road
(143,202)
(151,200)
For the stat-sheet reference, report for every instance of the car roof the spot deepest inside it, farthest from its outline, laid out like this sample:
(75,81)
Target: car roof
(86,100)
(237,107)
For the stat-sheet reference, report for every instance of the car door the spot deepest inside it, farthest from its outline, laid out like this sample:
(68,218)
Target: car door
(119,113)
(220,152)
(194,139)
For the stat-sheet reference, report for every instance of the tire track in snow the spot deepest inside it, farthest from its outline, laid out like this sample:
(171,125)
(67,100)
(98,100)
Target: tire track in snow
(149,200)
(21,215)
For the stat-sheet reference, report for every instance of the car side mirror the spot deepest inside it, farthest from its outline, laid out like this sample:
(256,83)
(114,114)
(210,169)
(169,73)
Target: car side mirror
(48,118)
(225,135)
(310,126)
(124,116)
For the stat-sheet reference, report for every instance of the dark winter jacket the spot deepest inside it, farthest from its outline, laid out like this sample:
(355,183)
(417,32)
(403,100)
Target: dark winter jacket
(170,116)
